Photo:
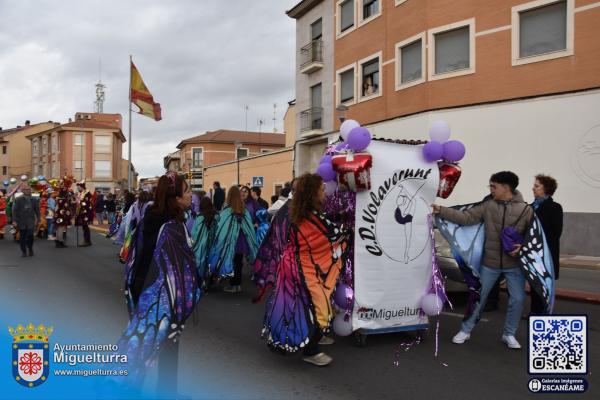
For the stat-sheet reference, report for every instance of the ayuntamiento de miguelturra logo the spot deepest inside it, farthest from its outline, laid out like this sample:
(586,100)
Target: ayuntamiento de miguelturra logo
(30,354)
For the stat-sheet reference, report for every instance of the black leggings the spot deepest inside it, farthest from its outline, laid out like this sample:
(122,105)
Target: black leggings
(312,348)
(238,264)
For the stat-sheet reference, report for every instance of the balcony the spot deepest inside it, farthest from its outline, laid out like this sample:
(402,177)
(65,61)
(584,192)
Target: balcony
(311,57)
(311,122)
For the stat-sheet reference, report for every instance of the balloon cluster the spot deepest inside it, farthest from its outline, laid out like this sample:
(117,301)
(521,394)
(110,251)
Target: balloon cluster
(355,138)
(343,298)
(440,147)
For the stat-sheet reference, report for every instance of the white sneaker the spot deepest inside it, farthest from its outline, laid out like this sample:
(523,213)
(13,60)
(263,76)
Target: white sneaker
(461,337)
(326,340)
(511,342)
(320,359)
(233,289)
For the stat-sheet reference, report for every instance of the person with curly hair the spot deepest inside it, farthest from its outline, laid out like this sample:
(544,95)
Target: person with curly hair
(299,311)
(550,214)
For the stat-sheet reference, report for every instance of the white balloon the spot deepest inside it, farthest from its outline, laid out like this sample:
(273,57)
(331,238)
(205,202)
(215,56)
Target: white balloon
(439,131)
(23,178)
(342,327)
(431,304)
(346,127)
(330,187)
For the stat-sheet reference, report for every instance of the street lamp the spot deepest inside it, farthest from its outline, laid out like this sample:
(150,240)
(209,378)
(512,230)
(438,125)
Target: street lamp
(238,145)
(341,112)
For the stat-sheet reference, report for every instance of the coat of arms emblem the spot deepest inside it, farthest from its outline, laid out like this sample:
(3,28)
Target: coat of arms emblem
(30,354)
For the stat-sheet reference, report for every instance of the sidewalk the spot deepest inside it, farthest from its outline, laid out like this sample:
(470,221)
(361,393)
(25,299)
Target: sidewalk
(579,276)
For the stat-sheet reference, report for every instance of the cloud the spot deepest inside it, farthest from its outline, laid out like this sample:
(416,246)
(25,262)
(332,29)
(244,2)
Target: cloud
(203,61)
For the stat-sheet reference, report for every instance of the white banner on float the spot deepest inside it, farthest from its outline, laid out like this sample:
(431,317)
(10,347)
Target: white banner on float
(392,259)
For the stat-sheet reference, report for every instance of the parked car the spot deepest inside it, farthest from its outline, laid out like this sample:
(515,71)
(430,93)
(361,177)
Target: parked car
(453,276)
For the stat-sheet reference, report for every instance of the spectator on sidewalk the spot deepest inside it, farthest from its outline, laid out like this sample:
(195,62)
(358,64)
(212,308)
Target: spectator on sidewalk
(26,217)
(99,208)
(218,196)
(550,214)
(110,207)
(505,208)
(283,198)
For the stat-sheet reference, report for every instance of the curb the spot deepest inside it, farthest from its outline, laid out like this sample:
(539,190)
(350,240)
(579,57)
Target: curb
(98,229)
(569,294)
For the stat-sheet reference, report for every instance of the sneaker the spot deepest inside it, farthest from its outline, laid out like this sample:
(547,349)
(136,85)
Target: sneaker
(51,237)
(511,342)
(233,289)
(320,359)
(326,341)
(461,337)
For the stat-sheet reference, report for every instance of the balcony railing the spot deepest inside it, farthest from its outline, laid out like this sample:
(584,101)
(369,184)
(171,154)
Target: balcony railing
(311,121)
(311,57)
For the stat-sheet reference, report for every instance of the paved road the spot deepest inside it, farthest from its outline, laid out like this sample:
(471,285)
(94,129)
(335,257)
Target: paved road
(224,355)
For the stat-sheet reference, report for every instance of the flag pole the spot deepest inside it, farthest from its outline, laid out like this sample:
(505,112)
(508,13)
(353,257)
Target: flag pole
(129,156)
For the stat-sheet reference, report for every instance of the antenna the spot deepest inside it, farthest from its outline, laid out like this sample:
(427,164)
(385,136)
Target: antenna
(274,117)
(261,122)
(100,94)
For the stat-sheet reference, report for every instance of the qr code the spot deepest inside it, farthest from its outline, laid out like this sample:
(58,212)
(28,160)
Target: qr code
(558,344)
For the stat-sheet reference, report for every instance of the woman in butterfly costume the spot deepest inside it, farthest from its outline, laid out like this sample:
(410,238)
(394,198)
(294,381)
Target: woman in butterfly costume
(169,293)
(204,232)
(133,244)
(299,310)
(235,238)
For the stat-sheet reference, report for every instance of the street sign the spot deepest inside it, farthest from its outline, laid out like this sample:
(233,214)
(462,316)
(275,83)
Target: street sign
(258,181)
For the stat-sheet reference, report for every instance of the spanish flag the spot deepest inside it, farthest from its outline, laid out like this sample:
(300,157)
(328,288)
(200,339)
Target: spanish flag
(141,96)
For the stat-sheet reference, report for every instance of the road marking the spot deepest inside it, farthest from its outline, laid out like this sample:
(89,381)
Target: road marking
(461,316)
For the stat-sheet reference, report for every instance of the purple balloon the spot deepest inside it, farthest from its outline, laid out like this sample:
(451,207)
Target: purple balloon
(453,151)
(326,171)
(342,293)
(326,159)
(359,138)
(433,151)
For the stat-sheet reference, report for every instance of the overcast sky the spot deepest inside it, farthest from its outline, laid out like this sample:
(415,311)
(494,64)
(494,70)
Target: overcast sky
(202,61)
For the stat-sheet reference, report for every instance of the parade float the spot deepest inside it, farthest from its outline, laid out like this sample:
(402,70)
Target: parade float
(383,190)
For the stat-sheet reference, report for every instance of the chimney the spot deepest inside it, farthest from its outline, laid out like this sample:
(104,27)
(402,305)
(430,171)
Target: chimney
(70,120)
(27,123)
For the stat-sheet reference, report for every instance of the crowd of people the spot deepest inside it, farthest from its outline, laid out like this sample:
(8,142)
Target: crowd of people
(176,244)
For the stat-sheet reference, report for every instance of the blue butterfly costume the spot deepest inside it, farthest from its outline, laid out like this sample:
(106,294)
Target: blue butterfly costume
(170,293)
(467,244)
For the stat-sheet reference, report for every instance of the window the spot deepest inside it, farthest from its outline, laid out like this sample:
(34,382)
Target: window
(370,78)
(370,8)
(345,84)
(102,144)
(542,30)
(278,187)
(4,170)
(452,50)
(265,150)
(77,164)
(197,157)
(316,30)
(40,170)
(35,147)
(316,104)
(54,143)
(78,139)
(241,153)
(3,149)
(102,169)
(345,16)
(44,145)
(54,170)
(410,61)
